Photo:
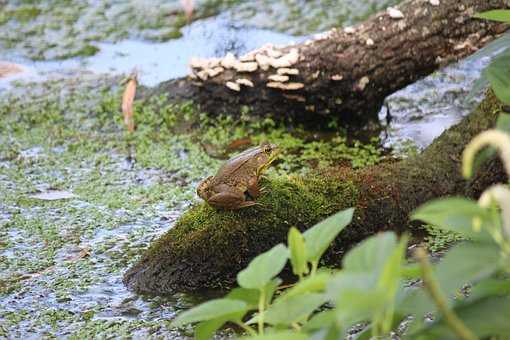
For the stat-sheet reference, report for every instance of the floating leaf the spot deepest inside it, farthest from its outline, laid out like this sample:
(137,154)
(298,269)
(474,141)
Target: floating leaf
(127,102)
(263,268)
(209,310)
(319,237)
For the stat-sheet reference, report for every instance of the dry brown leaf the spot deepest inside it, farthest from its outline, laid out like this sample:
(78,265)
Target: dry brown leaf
(127,102)
(188,7)
(8,69)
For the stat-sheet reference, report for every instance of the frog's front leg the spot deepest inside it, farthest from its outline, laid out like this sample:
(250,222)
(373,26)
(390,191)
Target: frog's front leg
(228,197)
(253,187)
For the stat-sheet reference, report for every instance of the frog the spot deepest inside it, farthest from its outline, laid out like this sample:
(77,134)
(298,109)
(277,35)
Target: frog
(236,184)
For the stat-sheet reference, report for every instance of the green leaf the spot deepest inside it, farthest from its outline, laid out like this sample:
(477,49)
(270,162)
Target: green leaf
(206,329)
(498,74)
(486,318)
(263,268)
(487,288)
(371,254)
(283,335)
(320,320)
(389,282)
(455,214)
(210,310)
(294,309)
(319,237)
(503,122)
(297,252)
(250,296)
(466,263)
(495,15)
(311,284)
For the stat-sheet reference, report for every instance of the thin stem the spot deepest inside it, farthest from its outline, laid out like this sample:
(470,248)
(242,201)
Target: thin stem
(434,291)
(262,302)
(250,330)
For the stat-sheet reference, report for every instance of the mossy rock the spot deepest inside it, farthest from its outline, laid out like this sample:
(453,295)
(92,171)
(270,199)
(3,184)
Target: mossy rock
(207,247)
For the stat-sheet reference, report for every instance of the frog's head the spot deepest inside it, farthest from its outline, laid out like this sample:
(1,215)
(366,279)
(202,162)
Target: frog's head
(267,154)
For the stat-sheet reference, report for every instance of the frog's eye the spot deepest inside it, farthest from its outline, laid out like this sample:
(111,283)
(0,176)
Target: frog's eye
(267,149)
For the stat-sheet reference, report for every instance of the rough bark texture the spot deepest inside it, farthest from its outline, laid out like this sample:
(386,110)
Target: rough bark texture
(207,247)
(347,74)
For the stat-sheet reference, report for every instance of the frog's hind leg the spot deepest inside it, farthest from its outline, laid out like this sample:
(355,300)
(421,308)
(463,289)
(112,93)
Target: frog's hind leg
(227,198)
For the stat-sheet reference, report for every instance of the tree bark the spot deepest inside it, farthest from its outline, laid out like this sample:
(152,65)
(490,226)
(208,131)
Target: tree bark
(343,73)
(207,247)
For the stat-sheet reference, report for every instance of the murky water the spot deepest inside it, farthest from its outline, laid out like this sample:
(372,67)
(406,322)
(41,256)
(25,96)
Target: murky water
(61,263)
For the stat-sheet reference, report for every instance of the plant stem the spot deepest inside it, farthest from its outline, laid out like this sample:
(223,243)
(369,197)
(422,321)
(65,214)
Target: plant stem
(246,328)
(432,287)
(262,302)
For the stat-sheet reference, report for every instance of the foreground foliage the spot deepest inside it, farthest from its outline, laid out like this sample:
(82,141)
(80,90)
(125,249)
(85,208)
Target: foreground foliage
(468,292)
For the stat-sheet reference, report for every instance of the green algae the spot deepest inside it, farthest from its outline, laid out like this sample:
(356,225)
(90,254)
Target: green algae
(69,135)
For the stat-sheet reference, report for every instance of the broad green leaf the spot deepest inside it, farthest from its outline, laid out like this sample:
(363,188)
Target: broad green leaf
(297,249)
(250,296)
(487,288)
(311,284)
(282,335)
(389,282)
(319,237)
(271,288)
(455,214)
(263,268)
(209,310)
(371,254)
(320,320)
(503,122)
(495,15)
(206,329)
(485,318)
(498,74)
(294,309)
(466,263)
(355,297)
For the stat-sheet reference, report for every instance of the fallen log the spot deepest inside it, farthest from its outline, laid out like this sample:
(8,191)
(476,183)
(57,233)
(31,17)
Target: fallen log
(343,73)
(207,247)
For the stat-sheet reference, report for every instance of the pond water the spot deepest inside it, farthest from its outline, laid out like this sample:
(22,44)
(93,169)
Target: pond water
(61,262)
